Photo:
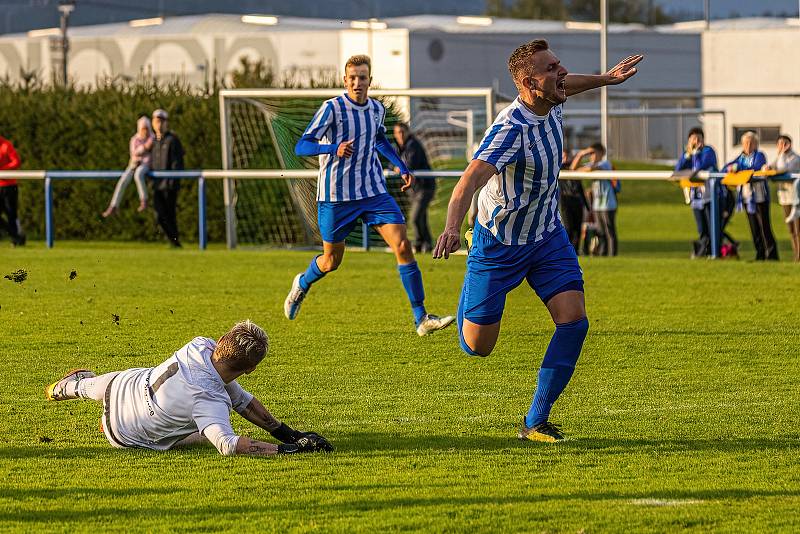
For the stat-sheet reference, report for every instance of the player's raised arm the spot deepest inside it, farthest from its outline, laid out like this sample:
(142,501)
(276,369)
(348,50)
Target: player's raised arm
(477,174)
(578,83)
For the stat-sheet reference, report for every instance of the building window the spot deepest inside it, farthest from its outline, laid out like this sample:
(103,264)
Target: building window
(766,134)
(436,50)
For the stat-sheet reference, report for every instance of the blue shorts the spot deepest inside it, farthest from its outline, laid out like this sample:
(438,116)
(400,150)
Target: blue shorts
(494,269)
(337,219)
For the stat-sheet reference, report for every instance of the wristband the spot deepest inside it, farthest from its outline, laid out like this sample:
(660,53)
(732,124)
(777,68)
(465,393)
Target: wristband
(286,434)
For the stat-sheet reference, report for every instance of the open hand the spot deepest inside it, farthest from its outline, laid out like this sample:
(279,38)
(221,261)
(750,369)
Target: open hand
(624,69)
(309,442)
(448,242)
(408,181)
(320,443)
(345,149)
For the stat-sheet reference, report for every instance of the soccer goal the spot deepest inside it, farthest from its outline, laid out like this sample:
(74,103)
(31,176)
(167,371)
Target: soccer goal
(260,127)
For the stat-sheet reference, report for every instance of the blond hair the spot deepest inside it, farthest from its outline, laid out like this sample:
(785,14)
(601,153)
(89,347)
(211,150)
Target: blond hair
(359,59)
(243,347)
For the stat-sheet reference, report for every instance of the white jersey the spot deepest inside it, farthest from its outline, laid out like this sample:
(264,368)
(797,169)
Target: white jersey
(361,175)
(154,408)
(520,205)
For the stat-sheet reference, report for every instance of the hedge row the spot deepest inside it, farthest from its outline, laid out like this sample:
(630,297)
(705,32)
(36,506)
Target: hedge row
(81,129)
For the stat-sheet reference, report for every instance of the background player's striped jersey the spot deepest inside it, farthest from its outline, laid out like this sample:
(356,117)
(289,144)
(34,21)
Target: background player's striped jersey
(361,175)
(520,205)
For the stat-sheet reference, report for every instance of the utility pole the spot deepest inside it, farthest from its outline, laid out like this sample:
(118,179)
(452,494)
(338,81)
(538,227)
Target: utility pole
(603,69)
(707,12)
(65,7)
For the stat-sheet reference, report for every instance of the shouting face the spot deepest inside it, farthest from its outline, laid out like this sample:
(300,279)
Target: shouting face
(548,78)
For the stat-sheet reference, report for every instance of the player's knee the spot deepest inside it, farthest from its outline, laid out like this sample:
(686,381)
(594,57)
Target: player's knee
(473,351)
(329,262)
(404,249)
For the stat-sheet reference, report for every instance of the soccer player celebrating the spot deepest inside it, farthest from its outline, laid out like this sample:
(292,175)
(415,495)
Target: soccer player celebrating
(346,132)
(188,399)
(519,235)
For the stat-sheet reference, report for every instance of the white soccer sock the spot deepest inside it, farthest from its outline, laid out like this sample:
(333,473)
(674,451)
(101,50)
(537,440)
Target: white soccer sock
(94,388)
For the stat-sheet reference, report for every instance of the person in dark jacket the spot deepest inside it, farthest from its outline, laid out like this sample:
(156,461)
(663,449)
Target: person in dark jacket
(166,155)
(699,157)
(413,155)
(572,202)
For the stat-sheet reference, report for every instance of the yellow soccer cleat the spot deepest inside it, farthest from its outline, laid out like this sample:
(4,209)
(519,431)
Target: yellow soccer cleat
(66,388)
(546,432)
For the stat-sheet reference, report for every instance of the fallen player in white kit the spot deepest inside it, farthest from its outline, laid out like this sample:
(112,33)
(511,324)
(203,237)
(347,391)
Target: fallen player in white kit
(188,399)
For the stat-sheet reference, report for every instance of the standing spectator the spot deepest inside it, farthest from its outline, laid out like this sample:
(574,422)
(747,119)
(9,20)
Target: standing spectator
(699,157)
(754,197)
(166,155)
(572,200)
(413,155)
(788,197)
(138,166)
(9,193)
(604,197)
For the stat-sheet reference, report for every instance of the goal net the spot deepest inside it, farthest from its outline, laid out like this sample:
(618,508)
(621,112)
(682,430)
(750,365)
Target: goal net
(260,128)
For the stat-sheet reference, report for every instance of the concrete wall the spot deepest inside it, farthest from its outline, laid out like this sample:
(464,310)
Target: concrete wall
(754,61)
(672,63)
(297,54)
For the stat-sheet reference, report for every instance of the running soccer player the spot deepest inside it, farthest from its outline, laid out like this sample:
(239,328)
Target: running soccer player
(519,235)
(348,133)
(188,399)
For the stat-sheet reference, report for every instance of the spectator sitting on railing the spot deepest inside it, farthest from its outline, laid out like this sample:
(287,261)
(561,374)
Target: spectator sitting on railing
(754,197)
(699,157)
(166,155)
(9,193)
(604,197)
(789,192)
(138,166)
(421,193)
(572,201)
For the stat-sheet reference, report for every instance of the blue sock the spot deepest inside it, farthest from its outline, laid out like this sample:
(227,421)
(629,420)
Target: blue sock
(557,368)
(412,282)
(311,275)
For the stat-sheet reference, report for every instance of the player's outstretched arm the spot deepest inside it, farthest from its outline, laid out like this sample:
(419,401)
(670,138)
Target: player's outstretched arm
(257,413)
(578,83)
(252,447)
(477,174)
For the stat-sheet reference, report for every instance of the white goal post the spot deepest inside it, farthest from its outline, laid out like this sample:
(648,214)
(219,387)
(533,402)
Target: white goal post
(247,130)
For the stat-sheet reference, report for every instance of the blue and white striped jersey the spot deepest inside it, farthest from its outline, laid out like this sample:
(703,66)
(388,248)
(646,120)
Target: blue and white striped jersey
(520,204)
(361,175)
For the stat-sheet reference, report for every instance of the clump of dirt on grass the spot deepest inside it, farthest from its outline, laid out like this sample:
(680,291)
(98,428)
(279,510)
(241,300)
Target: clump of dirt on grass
(18,276)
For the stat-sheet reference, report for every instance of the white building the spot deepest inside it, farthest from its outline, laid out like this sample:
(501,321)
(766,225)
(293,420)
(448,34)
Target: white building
(751,70)
(745,56)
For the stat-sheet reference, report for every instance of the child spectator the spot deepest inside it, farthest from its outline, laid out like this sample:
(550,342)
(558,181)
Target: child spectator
(138,166)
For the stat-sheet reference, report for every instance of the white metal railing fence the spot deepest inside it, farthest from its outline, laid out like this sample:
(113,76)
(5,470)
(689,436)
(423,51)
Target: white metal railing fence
(710,179)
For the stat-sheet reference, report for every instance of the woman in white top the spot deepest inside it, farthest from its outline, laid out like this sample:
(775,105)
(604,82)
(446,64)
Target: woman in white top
(789,192)
(138,166)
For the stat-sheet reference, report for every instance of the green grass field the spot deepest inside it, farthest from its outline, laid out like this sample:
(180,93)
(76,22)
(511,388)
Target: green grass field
(682,413)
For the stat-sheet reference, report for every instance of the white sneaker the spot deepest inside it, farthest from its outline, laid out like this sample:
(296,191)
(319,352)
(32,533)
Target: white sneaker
(67,387)
(431,323)
(793,215)
(291,306)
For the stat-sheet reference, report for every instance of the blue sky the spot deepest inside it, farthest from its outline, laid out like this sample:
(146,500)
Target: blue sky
(725,8)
